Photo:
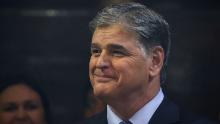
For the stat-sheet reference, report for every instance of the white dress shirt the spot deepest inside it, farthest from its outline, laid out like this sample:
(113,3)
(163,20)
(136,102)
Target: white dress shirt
(142,116)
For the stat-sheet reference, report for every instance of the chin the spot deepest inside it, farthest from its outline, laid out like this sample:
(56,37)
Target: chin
(101,94)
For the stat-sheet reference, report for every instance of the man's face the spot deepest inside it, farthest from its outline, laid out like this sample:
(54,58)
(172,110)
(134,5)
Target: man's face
(118,66)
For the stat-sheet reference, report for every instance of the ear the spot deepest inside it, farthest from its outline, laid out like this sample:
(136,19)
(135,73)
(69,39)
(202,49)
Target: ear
(157,58)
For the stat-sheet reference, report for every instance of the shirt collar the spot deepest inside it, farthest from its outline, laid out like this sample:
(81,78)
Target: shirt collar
(142,116)
(112,117)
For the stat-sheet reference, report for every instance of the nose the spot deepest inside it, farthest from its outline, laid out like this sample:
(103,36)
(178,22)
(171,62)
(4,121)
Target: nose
(21,114)
(103,60)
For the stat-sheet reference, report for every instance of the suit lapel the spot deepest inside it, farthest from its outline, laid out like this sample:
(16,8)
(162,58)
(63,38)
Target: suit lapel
(167,113)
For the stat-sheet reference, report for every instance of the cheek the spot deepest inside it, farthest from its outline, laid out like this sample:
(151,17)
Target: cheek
(37,117)
(124,67)
(91,64)
(130,70)
(122,72)
(6,118)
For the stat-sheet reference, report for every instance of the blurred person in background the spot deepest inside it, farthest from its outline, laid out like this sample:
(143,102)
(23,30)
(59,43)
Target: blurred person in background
(22,101)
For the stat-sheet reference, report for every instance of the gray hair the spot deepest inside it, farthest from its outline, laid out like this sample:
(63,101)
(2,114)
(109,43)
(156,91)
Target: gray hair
(150,27)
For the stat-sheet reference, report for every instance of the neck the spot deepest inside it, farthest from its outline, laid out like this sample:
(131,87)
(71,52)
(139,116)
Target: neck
(125,107)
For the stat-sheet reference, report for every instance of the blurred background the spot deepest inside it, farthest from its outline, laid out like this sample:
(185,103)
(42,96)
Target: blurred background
(50,40)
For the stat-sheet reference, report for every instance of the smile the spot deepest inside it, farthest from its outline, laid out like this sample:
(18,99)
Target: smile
(102,79)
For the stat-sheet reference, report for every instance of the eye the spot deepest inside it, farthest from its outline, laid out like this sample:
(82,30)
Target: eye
(118,53)
(31,106)
(95,52)
(9,108)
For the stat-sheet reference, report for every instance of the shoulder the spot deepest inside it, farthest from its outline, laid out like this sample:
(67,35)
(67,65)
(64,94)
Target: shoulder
(204,121)
(188,117)
(168,112)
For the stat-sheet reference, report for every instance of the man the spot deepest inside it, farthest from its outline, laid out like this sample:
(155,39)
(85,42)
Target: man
(129,51)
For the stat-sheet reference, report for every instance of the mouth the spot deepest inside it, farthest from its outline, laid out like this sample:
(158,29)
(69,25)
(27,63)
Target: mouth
(103,76)
(22,122)
(102,79)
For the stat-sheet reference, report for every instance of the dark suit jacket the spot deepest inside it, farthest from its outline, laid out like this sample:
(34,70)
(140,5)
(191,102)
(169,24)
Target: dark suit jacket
(167,113)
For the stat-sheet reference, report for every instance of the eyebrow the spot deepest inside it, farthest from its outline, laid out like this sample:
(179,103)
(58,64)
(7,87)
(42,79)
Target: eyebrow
(110,46)
(116,47)
(94,45)
(8,104)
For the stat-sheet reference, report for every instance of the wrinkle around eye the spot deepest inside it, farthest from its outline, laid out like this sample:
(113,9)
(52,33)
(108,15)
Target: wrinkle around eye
(95,54)
(121,53)
(118,54)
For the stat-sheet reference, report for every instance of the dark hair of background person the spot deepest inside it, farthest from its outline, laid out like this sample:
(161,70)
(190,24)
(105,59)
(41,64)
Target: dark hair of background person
(150,27)
(32,83)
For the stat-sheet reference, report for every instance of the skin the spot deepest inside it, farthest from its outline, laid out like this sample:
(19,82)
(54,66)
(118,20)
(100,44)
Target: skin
(121,73)
(21,105)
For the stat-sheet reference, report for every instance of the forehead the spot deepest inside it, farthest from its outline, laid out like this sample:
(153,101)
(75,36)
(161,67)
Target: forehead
(115,33)
(18,93)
